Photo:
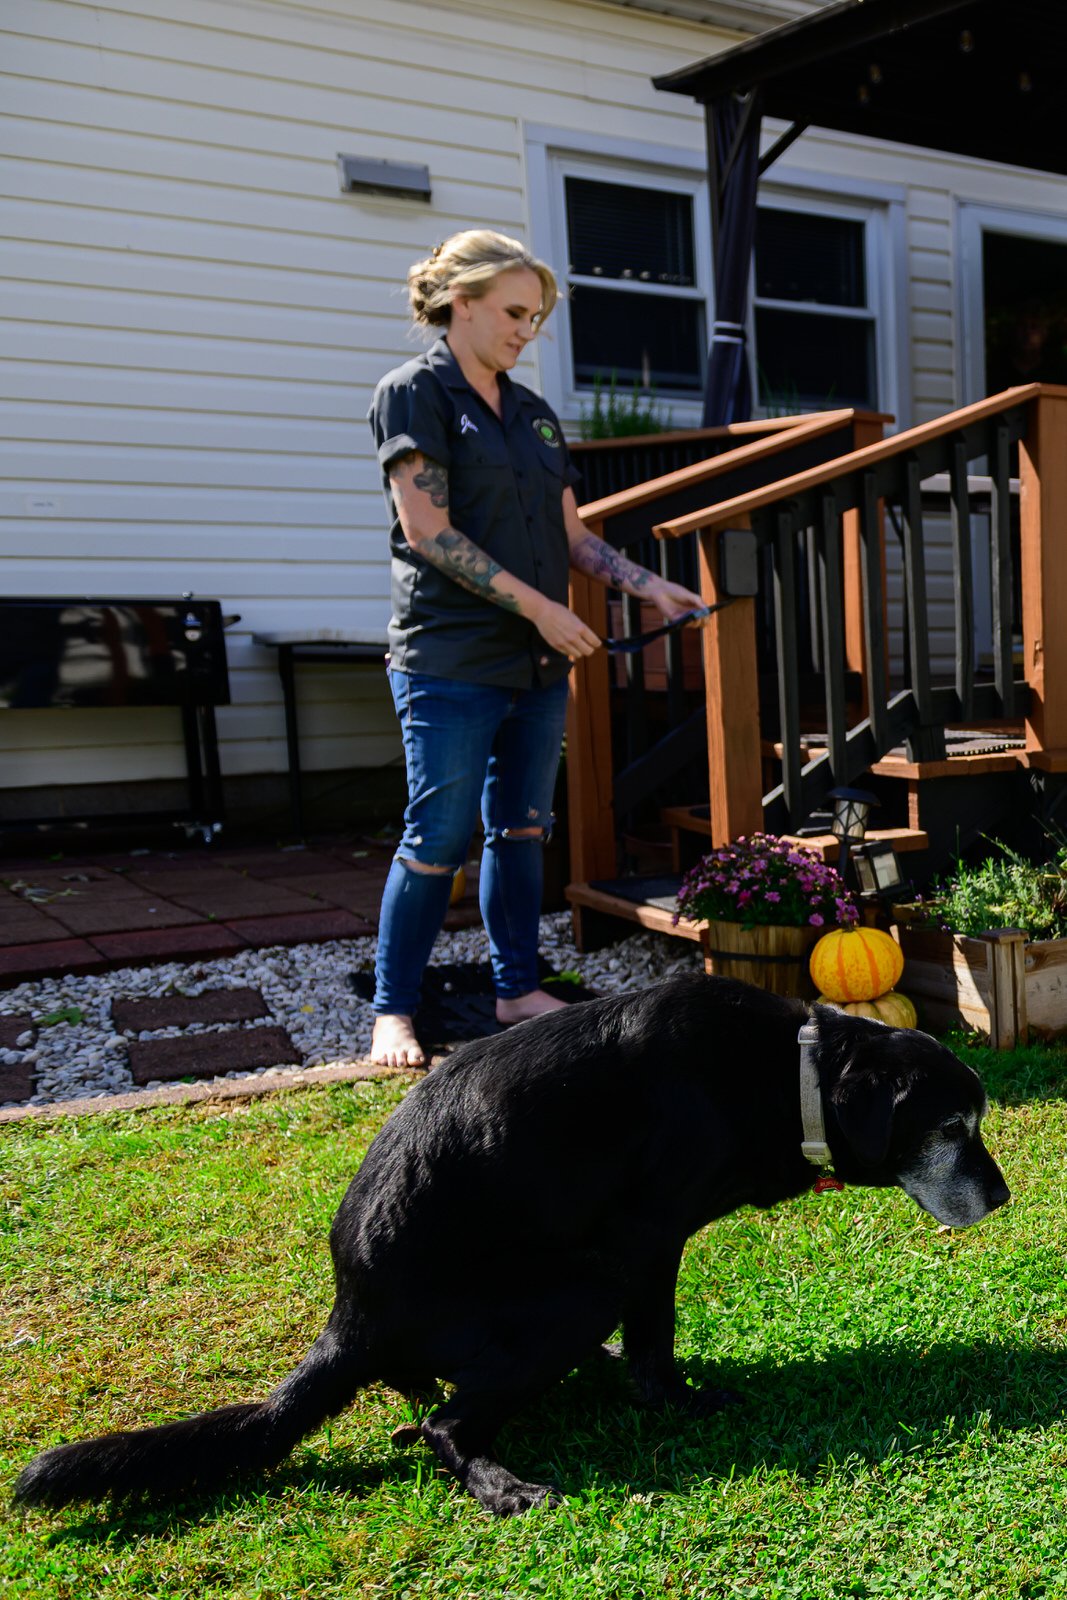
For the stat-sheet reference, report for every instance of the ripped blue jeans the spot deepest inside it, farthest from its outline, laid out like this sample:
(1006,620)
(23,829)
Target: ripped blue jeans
(466,743)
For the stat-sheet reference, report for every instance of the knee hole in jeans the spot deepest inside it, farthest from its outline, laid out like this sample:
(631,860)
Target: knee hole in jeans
(521,835)
(422,866)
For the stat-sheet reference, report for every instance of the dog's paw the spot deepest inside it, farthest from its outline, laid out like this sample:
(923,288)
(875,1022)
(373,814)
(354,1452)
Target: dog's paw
(407,1433)
(519,1497)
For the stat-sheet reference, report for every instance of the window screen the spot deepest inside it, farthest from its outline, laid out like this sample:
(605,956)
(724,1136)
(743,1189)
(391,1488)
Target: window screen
(815,336)
(617,231)
(658,343)
(617,234)
(804,257)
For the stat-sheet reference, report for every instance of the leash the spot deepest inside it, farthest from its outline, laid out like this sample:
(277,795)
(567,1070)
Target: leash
(814,1147)
(638,641)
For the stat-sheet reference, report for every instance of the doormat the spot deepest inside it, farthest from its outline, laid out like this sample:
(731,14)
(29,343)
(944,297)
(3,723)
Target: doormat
(459,1001)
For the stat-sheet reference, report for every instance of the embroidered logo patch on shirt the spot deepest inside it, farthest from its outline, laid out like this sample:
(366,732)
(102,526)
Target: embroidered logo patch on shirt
(466,425)
(546,431)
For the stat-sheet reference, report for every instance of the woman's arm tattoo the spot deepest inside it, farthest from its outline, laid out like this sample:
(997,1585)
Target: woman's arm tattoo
(450,551)
(602,561)
(424,474)
(468,565)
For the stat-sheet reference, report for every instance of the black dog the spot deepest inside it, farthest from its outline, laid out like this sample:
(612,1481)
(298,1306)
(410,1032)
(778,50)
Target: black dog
(536,1192)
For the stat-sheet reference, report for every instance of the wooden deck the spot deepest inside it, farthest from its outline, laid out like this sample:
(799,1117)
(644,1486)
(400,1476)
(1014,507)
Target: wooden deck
(835,508)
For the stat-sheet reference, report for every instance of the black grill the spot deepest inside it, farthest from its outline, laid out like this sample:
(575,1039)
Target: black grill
(86,652)
(82,652)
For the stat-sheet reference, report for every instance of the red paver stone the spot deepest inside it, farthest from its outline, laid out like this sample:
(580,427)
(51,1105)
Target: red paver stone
(183,879)
(209,1055)
(164,944)
(265,865)
(17,1083)
(12,1029)
(37,960)
(465,915)
(179,1010)
(24,925)
(355,891)
(307,928)
(75,882)
(123,916)
(245,897)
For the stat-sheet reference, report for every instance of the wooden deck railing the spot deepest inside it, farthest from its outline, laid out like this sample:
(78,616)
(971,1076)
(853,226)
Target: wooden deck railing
(605,783)
(839,507)
(609,466)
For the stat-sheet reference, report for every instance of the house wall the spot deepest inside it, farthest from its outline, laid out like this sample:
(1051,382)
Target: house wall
(194,316)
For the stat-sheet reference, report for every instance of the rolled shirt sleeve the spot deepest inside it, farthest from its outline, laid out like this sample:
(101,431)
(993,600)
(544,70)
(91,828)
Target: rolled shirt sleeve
(410,416)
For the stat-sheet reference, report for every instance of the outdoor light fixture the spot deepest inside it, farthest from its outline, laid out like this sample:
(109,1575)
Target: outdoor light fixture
(849,824)
(877,870)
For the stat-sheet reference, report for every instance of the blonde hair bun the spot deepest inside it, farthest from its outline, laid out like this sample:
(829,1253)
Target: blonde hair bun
(470,262)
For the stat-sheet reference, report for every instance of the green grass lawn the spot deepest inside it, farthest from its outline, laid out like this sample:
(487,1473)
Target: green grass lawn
(903,1432)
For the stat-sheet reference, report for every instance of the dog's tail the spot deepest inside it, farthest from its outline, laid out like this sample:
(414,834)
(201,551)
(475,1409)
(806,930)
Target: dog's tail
(204,1450)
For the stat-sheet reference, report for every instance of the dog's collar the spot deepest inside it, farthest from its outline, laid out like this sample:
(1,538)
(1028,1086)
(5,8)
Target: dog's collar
(814,1146)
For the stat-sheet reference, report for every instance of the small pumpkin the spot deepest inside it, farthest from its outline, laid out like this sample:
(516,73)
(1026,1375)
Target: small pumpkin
(459,887)
(856,963)
(894,1008)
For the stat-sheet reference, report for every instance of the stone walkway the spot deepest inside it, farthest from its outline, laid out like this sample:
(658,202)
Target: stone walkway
(73,917)
(91,913)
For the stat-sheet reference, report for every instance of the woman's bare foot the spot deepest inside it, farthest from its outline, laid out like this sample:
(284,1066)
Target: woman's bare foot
(393,1043)
(524,1006)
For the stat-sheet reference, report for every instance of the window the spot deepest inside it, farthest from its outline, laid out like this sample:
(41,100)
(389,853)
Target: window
(815,327)
(637,302)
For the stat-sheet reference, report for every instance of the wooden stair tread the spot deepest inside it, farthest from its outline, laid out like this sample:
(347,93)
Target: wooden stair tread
(655,917)
(962,766)
(902,839)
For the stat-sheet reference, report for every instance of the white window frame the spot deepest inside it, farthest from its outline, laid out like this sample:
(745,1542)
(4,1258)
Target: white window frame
(973,220)
(881,209)
(553,155)
(551,152)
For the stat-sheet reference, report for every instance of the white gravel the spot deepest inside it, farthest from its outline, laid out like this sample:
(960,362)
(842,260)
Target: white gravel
(306,988)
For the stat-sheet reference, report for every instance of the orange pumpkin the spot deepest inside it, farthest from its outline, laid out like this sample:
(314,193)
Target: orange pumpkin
(856,964)
(459,887)
(894,1008)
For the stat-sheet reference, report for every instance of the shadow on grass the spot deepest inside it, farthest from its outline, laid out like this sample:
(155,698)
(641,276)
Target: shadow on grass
(854,1409)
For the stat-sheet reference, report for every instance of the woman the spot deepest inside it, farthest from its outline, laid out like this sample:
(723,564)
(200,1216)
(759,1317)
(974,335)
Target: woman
(485,525)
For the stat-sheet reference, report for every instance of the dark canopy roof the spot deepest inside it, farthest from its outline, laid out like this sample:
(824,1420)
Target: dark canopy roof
(979,78)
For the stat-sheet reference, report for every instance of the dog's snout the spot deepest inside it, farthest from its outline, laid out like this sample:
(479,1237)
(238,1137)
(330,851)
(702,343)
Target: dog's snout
(999,1194)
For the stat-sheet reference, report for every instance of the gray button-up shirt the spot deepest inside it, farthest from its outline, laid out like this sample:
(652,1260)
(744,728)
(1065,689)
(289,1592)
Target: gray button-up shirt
(506,478)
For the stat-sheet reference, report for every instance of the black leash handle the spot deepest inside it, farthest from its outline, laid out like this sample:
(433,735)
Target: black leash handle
(638,641)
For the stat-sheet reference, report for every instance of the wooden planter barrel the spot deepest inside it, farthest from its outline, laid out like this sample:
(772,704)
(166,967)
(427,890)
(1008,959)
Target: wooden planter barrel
(775,959)
(1002,983)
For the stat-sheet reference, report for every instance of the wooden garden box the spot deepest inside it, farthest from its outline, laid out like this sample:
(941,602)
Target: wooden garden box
(1006,985)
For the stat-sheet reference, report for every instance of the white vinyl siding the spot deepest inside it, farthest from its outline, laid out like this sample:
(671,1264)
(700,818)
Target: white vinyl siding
(193,316)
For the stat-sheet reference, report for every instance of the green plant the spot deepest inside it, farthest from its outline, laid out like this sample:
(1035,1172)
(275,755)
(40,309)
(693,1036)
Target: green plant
(1004,891)
(617,414)
(763,881)
(785,400)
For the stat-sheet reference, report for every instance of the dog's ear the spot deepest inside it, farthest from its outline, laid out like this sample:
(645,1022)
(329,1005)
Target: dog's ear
(864,1106)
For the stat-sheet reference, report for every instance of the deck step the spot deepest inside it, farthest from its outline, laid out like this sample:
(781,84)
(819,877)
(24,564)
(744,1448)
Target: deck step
(647,901)
(697,819)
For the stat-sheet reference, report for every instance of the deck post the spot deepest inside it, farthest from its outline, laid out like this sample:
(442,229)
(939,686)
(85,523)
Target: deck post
(1042,510)
(731,682)
(590,808)
(866,430)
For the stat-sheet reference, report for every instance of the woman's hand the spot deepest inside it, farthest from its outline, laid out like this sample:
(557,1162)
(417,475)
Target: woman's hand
(562,629)
(671,600)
